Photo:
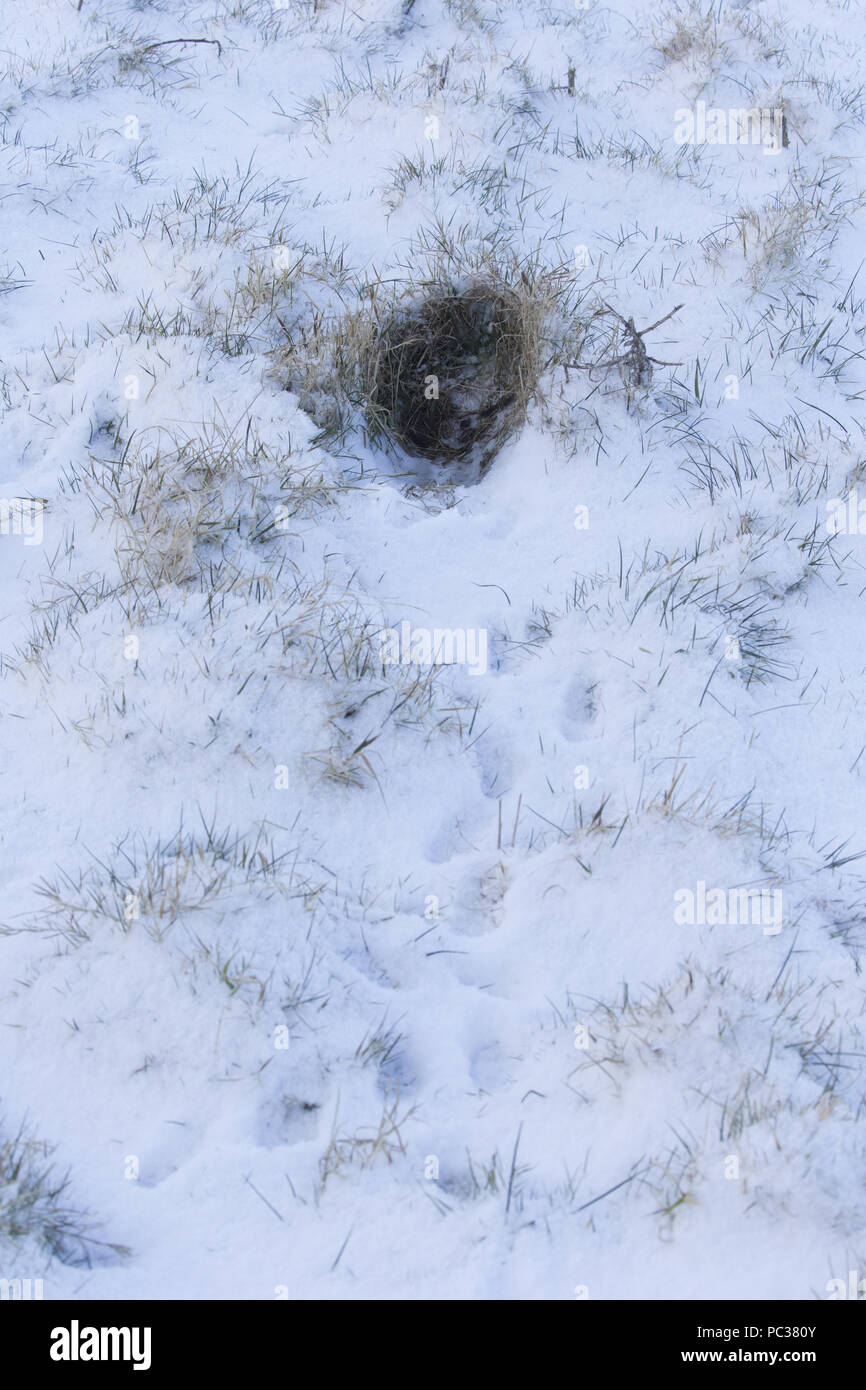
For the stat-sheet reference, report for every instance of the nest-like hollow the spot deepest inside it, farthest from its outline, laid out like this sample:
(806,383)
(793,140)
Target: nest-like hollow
(452,376)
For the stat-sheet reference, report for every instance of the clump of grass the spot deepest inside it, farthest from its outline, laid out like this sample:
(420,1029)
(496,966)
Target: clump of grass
(689,33)
(185,507)
(442,368)
(33,1206)
(158,883)
(378,1045)
(366,1145)
(450,378)
(786,240)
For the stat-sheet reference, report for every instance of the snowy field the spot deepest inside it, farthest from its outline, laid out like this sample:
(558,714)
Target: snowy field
(328,970)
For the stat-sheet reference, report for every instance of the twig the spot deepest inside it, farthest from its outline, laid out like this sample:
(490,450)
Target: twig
(643,331)
(636,356)
(161,43)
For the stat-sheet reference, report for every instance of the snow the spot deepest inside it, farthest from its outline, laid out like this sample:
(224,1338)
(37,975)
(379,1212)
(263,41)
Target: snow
(329,980)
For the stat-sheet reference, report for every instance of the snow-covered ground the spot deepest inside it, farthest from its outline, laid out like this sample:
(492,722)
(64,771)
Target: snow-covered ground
(324,978)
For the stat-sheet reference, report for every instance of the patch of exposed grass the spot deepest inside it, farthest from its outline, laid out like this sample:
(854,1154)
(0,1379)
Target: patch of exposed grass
(443,368)
(34,1206)
(157,883)
(455,373)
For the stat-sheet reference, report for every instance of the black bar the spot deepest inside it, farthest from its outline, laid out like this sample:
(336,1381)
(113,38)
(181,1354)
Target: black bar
(225,1338)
